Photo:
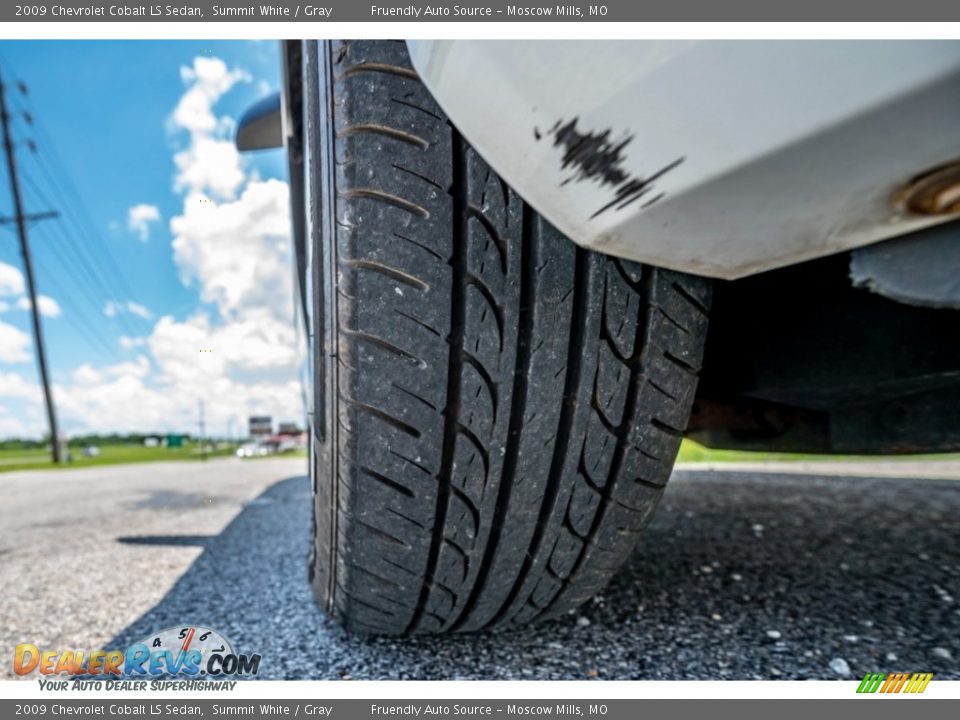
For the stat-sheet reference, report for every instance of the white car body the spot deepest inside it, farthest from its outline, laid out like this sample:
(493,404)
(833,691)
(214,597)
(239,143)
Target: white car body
(740,156)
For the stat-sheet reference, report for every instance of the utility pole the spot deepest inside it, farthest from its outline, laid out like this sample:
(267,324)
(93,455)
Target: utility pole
(20,219)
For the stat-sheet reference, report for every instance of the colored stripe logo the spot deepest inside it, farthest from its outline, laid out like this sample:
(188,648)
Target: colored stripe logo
(894,683)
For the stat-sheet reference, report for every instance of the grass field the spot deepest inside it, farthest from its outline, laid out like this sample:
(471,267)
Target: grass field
(690,452)
(109,455)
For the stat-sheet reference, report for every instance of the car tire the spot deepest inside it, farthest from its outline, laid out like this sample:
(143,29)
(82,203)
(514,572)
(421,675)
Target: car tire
(496,410)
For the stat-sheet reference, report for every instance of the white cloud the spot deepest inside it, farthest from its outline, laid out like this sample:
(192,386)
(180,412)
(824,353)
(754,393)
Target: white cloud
(14,426)
(86,375)
(112,308)
(131,403)
(138,310)
(230,241)
(13,385)
(14,344)
(11,280)
(48,306)
(139,218)
(207,80)
(239,251)
(211,162)
(131,342)
(139,368)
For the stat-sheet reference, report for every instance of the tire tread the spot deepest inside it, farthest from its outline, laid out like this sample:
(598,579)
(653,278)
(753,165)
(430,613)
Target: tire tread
(509,405)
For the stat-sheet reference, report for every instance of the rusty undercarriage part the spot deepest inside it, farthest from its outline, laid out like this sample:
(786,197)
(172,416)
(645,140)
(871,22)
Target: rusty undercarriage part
(936,192)
(927,422)
(747,423)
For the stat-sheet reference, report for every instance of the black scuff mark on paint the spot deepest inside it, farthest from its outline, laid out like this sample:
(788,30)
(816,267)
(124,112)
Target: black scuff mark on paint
(652,200)
(536,133)
(636,188)
(595,157)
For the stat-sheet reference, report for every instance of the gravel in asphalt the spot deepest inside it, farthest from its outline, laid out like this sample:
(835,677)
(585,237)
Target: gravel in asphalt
(741,575)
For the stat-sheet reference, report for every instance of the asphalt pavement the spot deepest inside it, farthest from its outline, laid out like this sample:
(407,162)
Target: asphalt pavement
(744,573)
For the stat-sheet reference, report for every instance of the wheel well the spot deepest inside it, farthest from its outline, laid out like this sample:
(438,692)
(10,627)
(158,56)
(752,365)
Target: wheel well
(799,360)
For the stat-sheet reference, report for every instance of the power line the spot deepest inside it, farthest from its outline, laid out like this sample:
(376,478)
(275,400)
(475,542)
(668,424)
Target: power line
(80,243)
(92,332)
(83,230)
(21,222)
(89,265)
(82,224)
(86,223)
(60,182)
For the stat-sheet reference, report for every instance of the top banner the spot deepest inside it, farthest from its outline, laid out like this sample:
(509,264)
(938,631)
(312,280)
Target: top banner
(498,11)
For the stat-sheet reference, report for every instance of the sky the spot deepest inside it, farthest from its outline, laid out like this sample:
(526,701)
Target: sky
(166,280)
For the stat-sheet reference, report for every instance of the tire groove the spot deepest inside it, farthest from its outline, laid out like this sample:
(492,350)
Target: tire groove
(417,321)
(521,371)
(384,131)
(481,286)
(386,270)
(359,601)
(381,415)
(473,362)
(406,517)
(408,460)
(415,174)
(377,341)
(412,394)
(498,241)
(458,263)
(682,364)
(629,413)
(388,198)
(388,482)
(418,244)
(571,388)
(475,441)
(379,67)
(398,101)
(380,532)
(691,298)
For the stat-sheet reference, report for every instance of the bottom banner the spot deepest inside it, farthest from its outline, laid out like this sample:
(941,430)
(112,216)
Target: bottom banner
(618,709)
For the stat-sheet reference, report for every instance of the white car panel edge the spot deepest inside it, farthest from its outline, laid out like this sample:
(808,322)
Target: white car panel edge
(788,150)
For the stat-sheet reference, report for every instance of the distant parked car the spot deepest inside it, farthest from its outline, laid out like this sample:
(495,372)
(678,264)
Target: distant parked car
(252,450)
(91,451)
